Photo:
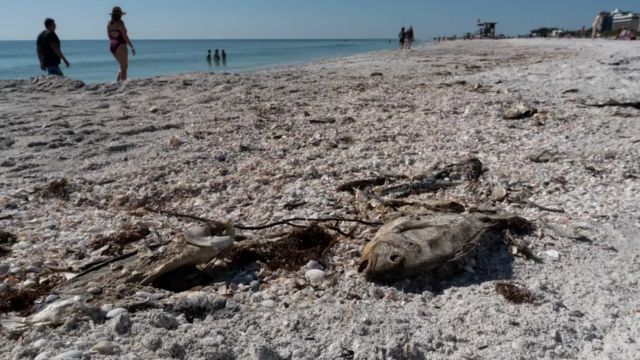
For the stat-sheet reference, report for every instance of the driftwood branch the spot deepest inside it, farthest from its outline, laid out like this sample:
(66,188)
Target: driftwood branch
(322,219)
(266,226)
(416,187)
(362,184)
(100,265)
(632,104)
(124,256)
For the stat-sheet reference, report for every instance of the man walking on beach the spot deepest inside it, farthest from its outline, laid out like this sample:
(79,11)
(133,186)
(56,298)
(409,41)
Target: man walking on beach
(402,36)
(410,37)
(49,52)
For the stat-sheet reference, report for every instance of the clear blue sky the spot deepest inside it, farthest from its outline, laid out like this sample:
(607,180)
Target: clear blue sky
(258,19)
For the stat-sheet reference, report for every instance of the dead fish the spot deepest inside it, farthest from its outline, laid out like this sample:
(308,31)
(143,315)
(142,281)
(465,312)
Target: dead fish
(414,244)
(200,245)
(53,314)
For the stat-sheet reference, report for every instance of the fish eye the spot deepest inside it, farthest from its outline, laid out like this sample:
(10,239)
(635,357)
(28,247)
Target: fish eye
(395,258)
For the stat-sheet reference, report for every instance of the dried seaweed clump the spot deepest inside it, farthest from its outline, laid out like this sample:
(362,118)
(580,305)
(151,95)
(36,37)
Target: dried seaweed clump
(470,169)
(7,238)
(13,299)
(127,235)
(515,294)
(289,253)
(57,188)
(22,299)
(362,184)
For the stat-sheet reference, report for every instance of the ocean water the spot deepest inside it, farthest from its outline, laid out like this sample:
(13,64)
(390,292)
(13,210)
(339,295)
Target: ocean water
(92,62)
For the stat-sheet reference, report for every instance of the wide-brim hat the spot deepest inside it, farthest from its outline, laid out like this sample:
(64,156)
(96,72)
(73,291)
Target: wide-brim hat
(117,11)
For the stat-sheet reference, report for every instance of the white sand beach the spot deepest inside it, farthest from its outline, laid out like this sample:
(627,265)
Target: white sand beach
(256,148)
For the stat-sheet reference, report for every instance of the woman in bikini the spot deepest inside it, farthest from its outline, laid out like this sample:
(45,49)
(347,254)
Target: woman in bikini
(117,33)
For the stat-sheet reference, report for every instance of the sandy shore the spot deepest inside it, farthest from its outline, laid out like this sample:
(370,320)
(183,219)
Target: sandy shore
(261,147)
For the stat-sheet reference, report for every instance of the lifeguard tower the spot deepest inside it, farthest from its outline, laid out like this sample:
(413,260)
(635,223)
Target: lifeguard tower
(487,29)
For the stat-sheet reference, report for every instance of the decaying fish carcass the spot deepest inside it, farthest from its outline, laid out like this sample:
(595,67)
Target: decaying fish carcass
(202,244)
(414,244)
(53,314)
(187,261)
(198,245)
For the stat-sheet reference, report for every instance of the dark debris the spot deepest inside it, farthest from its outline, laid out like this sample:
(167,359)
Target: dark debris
(289,253)
(7,238)
(21,299)
(56,189)
(515,294)
(127,235)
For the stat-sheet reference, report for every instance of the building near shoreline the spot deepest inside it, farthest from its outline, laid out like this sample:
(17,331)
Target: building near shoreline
(625,20)
(618,20)
(605,21)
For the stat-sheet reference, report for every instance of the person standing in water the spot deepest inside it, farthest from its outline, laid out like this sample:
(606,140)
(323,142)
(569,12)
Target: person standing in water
(402,37)
(410,37)
(209,57)
(216,57)
(48,47)
(224,57)
(118,41)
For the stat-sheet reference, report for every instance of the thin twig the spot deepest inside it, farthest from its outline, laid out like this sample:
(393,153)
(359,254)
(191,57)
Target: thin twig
(288,223)
(172,213)
(544,208)
(261,227)
(100,265)
(339,231)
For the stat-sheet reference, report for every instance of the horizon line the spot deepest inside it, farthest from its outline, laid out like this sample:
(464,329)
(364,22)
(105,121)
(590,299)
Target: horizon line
(222,39)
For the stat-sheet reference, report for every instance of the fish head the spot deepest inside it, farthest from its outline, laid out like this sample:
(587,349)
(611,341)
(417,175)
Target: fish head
(382,260)
(217,237)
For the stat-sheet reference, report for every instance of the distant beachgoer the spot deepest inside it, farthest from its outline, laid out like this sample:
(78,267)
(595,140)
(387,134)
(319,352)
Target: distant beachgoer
(209,56)
(118,37)
(626,34)
(402,37)
(410,37)
(48,48)
(216,57)
(595,27)
(224,57)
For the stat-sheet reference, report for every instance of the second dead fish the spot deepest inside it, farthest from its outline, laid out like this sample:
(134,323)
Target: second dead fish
(411,245)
